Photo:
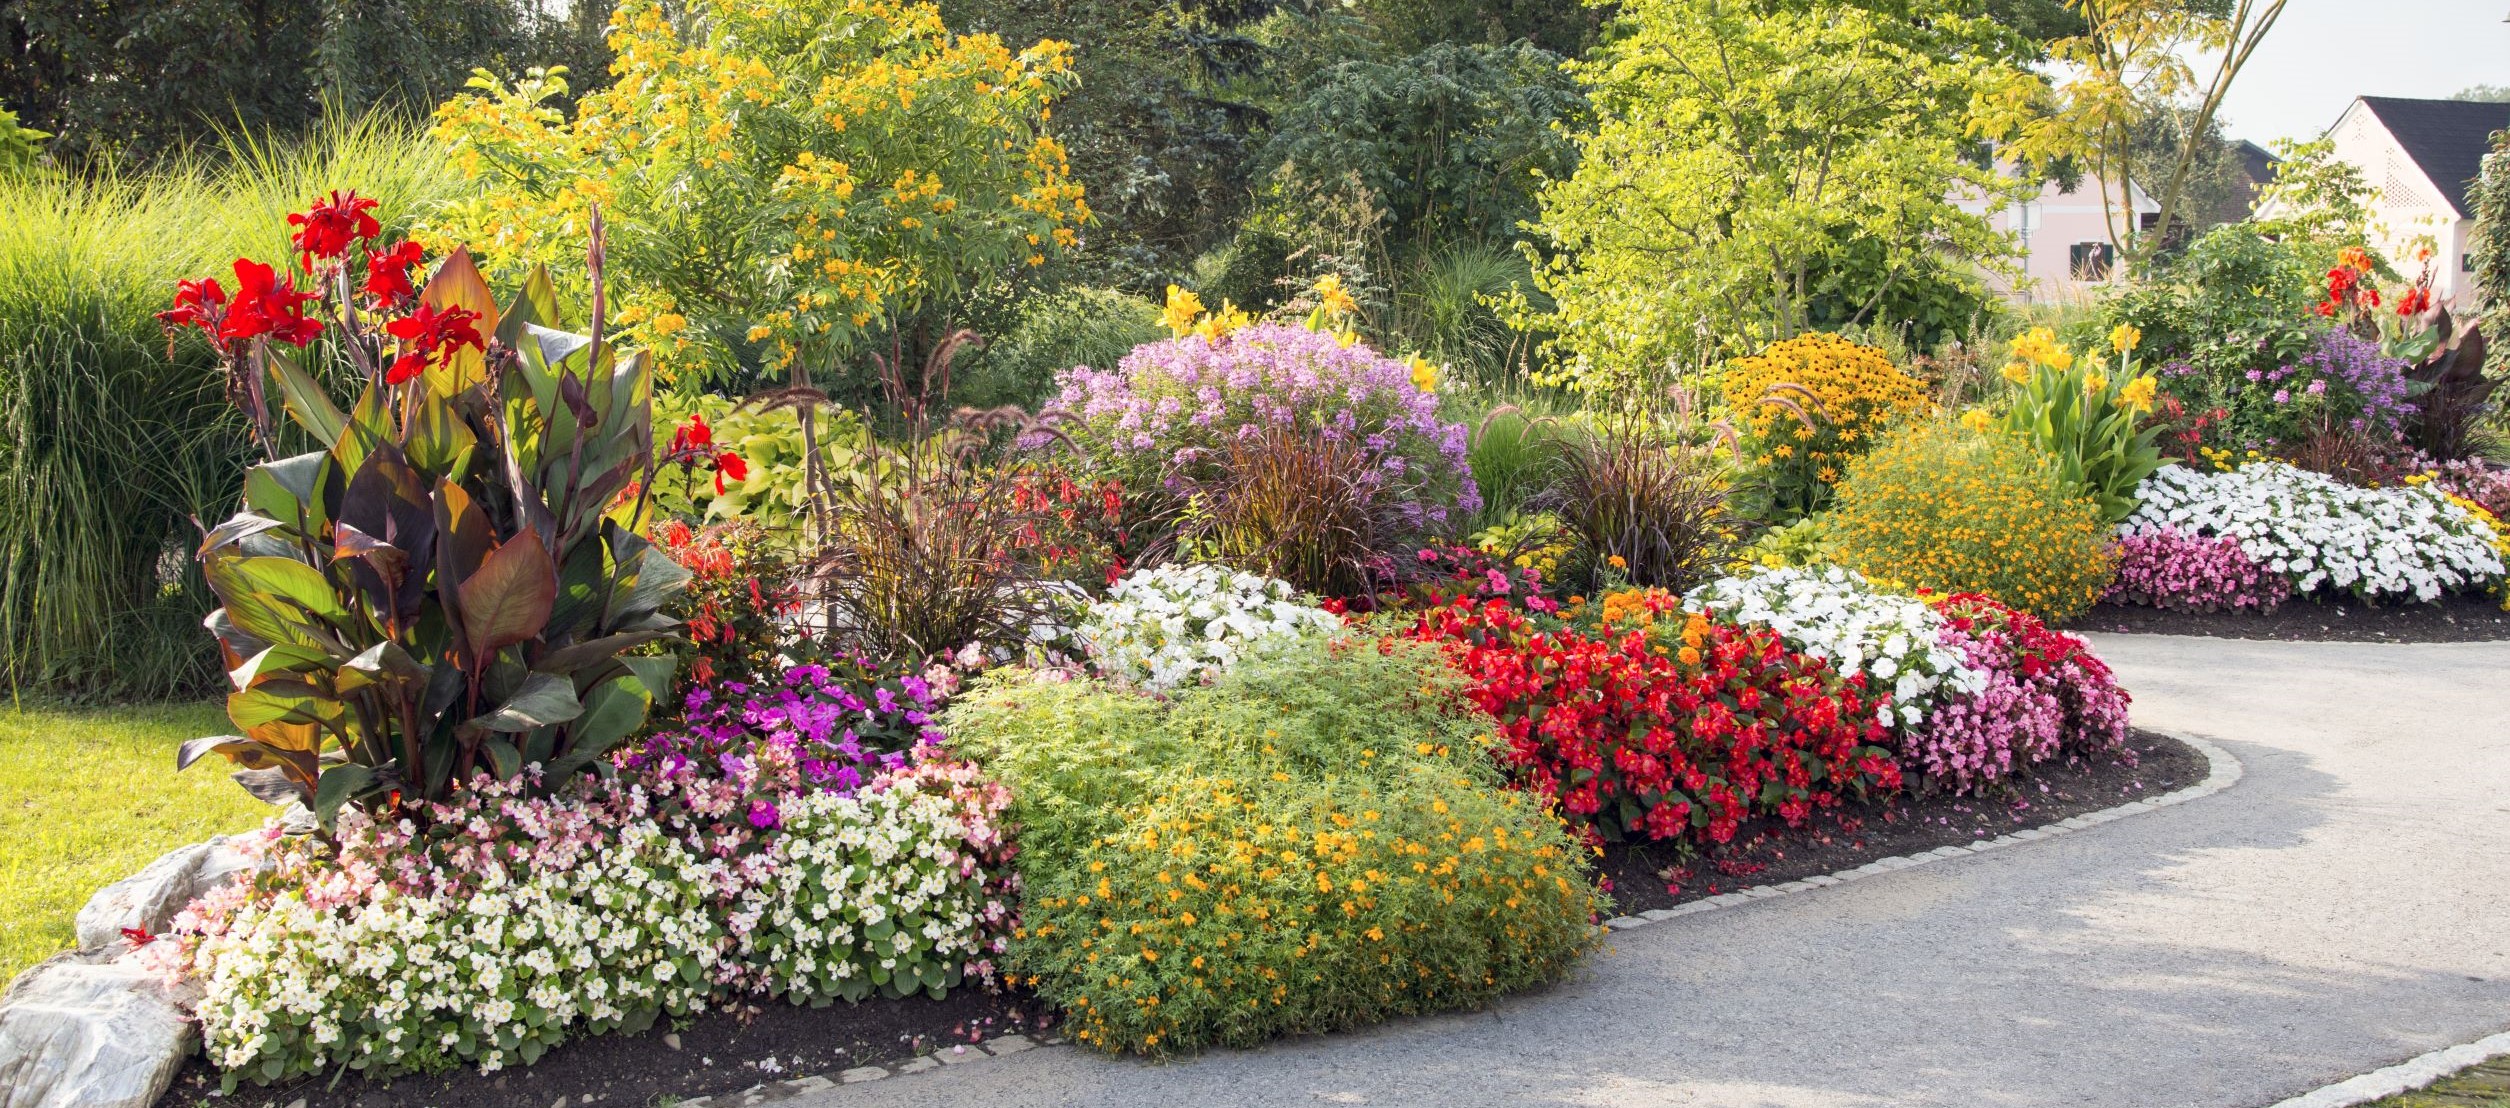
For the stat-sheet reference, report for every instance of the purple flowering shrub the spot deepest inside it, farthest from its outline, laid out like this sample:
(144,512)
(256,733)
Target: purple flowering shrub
(2046,694)
(840,723)
(2169,568)
(1165,415)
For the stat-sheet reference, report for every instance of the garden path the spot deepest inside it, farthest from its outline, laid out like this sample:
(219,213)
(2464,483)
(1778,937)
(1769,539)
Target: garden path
(2344,906)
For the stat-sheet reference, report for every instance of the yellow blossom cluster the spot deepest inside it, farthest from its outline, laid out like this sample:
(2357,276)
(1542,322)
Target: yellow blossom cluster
(1947,509)
(1231,910)
(1811,404)
(1184,315)
(866,155)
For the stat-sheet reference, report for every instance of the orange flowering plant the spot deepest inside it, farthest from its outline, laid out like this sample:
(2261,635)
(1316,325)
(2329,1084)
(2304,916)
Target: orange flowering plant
(779,178)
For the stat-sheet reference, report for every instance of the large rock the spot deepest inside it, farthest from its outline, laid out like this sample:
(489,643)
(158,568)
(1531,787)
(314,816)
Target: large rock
(90,1034)
(148,900)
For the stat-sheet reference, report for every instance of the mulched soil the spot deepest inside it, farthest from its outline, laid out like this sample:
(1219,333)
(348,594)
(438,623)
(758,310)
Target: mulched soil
(2463,617)
(720,1052)
(754,1043)
(1765,852)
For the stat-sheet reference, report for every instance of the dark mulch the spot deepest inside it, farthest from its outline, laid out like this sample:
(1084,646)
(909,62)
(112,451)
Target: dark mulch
(720,1052)
(1765,852)
(2461,617)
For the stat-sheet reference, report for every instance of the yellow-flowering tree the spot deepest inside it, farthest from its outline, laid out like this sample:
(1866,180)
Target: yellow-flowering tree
(778,179)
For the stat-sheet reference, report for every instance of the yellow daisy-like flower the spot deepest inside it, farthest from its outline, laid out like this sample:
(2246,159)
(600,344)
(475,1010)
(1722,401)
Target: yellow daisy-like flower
(2124,337)
(1977,419)
(2016,372)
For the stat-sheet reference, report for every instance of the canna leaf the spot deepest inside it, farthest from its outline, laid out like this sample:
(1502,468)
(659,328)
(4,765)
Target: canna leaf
(544,699)
(457,283)
(508,600)
(306,401)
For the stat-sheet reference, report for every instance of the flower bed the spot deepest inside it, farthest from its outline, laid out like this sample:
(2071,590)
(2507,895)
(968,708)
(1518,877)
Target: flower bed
(731,861)
(1172,625)
(2407,543)
(1834,614)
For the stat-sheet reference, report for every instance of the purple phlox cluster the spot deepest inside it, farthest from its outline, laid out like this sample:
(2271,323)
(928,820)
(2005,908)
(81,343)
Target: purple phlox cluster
(2165,567)
(2370,387)
(1172,404)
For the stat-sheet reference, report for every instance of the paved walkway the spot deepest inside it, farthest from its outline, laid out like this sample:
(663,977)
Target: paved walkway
(2345,906)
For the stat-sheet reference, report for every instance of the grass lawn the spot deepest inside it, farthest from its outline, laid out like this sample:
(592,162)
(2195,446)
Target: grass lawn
(87,797)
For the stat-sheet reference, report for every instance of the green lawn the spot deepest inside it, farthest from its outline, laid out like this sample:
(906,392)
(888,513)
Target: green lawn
(86,799)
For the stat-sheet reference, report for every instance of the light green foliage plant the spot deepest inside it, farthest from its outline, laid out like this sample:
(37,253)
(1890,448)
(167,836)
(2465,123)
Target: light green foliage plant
(20,145)
(782,180)
(774,493)
(1317,841)
(1739,150)
(1053,332)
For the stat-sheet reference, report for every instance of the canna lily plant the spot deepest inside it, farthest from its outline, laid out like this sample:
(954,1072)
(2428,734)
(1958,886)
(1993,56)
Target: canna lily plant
(2090,424)
(453,582)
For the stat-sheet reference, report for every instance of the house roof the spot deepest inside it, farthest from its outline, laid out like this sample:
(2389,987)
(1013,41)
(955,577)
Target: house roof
(2256,161)
(2446,138)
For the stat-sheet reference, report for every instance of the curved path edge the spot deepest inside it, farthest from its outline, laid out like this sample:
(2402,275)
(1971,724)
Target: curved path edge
(2404,1077)
(2223,771)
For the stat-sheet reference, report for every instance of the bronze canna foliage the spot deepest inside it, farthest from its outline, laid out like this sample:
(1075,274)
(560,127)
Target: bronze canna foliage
(453,584)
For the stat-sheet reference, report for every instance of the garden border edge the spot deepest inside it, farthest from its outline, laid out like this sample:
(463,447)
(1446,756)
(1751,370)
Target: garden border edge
(2223,771)
(2406,1076)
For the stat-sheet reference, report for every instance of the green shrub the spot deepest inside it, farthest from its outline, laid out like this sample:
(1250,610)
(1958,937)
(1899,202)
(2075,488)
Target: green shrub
(111,440)
(1939,507)
(1077,326)
(1318,840)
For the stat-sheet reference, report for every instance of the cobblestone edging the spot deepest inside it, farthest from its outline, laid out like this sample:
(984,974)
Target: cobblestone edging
(2405,1076)
(2224,771)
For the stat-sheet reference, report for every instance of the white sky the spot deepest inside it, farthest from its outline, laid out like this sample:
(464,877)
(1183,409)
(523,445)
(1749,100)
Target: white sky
(2323,53)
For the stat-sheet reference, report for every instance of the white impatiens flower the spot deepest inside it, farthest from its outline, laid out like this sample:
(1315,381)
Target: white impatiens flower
(1834,615)
(1176,625)
(2405,543)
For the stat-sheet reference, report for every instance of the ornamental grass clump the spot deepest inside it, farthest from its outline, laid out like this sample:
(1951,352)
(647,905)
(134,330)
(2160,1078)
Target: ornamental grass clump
(1952,510)
(1812,404)
(1651,507)
(2402,543)
(1318,841)
(2166,567)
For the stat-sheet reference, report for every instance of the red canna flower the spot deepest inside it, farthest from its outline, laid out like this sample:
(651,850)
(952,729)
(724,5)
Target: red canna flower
(692,441)
(266,305)
(428,336)
(330,227)
(388,274)
(729,464)
(201,303)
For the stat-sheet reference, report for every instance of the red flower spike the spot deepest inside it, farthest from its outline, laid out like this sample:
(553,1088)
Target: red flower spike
(328,228)
(201,303)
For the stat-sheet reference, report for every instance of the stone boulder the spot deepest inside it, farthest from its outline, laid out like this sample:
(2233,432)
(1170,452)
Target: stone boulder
(75,1031)
(148,900)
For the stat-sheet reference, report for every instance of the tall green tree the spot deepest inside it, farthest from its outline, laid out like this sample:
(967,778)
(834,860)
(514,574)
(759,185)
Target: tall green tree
(132,82)
(1754,158)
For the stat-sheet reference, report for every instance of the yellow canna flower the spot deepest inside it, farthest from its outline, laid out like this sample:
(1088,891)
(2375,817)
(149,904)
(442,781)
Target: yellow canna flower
(2017,372)
(1424,375)
(1977,419)
(2124,336)
(2095,383)
(2138,394)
